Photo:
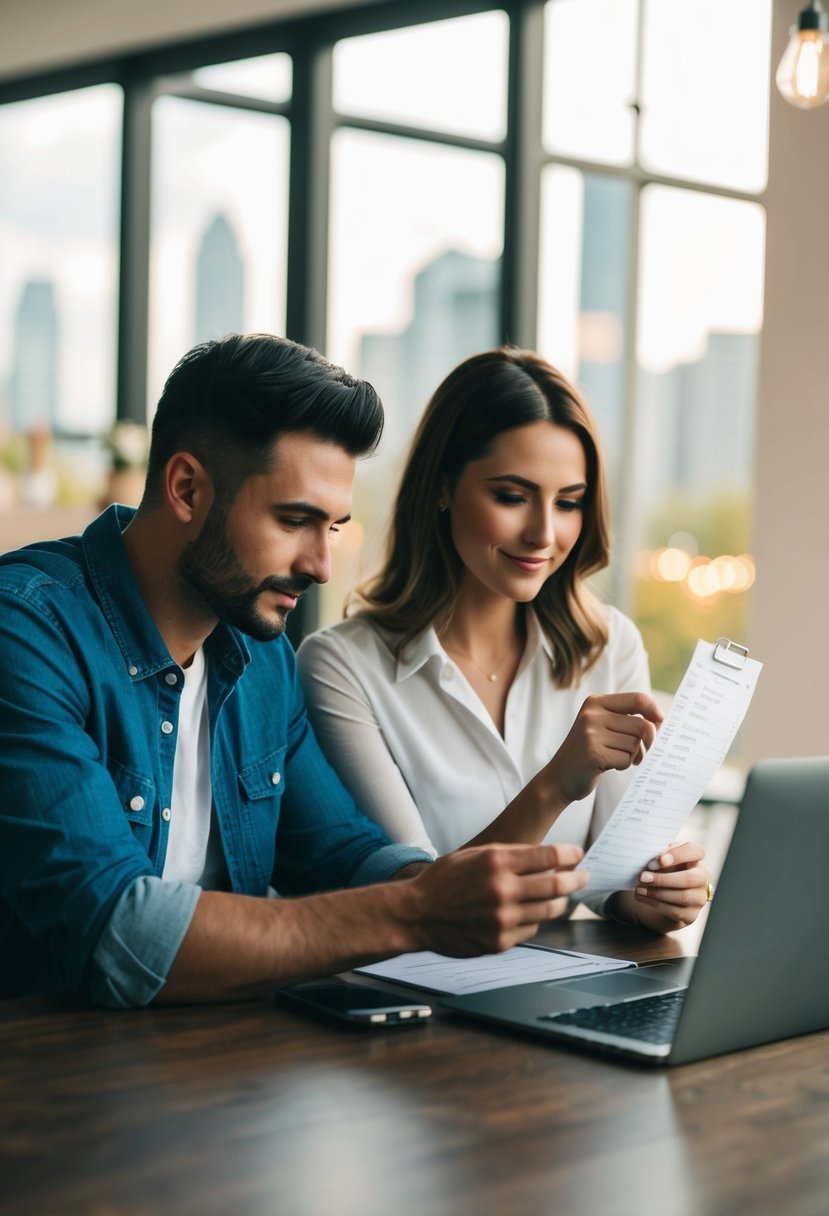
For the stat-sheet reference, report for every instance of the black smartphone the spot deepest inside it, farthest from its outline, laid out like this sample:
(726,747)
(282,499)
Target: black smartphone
(357,1003)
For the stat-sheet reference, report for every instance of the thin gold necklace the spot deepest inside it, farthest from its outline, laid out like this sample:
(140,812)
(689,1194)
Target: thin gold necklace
(491,676)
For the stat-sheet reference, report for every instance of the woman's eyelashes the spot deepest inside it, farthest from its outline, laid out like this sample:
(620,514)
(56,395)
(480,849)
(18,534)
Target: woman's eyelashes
(508,499)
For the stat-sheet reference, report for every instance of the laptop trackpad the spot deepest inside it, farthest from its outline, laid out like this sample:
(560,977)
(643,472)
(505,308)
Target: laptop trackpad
(618,983)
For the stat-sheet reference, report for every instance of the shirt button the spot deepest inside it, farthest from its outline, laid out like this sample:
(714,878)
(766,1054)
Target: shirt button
(166,728)
(171,678)
(133,671)
(137,803)
(276,778)
(166,814)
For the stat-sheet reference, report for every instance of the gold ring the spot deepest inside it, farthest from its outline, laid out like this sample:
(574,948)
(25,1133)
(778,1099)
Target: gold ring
(709,892)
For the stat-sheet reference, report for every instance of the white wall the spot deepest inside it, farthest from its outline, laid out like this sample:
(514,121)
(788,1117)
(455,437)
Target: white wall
(790,712)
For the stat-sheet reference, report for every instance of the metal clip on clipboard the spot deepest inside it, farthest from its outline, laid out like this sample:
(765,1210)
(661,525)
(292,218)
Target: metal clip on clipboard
(730,653)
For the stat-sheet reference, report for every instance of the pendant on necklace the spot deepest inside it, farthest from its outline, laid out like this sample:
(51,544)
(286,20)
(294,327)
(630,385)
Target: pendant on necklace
(493,678)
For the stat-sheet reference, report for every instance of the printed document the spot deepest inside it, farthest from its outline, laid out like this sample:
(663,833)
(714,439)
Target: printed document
(521,965)
(690,746)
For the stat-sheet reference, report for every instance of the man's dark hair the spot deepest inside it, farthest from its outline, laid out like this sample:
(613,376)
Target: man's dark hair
(227,402)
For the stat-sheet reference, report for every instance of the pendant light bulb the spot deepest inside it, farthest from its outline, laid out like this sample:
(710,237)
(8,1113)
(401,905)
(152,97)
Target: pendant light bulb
(803,74)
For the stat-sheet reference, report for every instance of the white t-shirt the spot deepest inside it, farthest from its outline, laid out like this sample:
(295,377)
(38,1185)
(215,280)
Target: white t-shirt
(418,751)
(189,830)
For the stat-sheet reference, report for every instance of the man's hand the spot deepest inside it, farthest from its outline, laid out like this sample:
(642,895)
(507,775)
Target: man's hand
(474,901)
(485,899)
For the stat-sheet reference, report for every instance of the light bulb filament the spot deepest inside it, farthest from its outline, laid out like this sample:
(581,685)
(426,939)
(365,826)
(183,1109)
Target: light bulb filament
(807,72)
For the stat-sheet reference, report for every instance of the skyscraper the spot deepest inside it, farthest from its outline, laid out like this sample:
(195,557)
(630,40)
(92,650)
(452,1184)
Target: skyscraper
(603,306)
(34,381)
(220,282)
(696,422)
(455,314)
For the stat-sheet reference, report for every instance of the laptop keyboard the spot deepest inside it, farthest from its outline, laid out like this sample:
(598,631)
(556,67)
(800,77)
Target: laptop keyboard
(652,1019)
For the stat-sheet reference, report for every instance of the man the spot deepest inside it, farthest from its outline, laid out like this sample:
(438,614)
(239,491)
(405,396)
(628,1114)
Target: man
(158,775)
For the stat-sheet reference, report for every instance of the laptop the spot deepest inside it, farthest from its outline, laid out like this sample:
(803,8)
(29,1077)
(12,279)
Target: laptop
(762,972)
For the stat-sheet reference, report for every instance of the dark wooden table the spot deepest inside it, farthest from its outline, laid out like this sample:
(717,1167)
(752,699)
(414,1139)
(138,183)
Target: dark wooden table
(255,1108)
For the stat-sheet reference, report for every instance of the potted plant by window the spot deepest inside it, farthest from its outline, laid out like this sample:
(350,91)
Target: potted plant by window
(127,445)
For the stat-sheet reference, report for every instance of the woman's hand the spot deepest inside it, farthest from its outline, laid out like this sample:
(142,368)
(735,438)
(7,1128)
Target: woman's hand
(671,892)
(610,732)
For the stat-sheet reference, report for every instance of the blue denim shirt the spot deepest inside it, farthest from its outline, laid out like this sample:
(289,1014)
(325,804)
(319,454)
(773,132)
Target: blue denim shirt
(89,699)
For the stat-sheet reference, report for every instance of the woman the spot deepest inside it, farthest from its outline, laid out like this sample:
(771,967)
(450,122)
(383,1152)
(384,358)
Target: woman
(479,691)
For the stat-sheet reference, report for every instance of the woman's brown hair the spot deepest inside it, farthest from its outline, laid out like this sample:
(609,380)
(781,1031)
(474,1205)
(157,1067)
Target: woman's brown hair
(419,582)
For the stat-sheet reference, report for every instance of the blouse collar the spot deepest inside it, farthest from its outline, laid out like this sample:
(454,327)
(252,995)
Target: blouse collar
(426,646)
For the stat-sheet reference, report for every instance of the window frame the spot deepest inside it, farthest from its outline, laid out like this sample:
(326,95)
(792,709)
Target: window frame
(310,40)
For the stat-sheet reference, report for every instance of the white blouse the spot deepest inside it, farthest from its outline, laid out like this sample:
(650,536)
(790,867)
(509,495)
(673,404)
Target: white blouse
(419,752)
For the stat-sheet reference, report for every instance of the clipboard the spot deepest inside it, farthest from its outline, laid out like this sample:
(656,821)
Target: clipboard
(732,654)
(706,712)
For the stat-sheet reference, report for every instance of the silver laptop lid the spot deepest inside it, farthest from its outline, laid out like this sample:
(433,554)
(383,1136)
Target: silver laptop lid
(763,968)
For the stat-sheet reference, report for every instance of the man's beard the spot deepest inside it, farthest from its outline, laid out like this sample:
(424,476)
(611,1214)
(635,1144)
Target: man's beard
(211,570)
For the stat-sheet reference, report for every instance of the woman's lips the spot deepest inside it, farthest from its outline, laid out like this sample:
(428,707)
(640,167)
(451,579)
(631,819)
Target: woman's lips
(530,565)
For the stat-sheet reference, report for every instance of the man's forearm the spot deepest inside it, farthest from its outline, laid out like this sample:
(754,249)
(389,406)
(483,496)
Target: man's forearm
(473,901)
(412,870)
(239,946)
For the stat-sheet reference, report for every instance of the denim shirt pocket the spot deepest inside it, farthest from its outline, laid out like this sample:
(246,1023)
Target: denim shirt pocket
(136,794)
(262,784)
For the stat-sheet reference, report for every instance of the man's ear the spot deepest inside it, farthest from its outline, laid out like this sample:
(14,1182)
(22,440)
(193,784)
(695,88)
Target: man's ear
(188,488)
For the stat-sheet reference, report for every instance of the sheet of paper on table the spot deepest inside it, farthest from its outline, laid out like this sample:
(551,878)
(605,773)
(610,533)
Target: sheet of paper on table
(521,965)
(689,748)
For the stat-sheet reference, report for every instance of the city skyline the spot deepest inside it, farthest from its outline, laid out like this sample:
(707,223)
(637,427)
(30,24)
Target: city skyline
(220,282)
(33,384)
(695,420)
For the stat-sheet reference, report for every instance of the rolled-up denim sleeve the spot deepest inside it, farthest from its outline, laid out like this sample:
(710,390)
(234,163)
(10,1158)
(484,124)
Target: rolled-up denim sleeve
(136,949)
(383,864)
(67,849)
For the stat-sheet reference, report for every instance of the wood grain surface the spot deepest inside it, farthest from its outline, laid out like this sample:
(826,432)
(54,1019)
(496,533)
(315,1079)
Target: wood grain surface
(256,1108)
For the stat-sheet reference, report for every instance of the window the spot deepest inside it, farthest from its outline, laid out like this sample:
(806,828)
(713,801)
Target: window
(697,357)
(723,51)
(651,286)
(584,324)
(416,237)
(421,76)
(389,195)
(219,228)
(590,79)
(265,76)
(59,177)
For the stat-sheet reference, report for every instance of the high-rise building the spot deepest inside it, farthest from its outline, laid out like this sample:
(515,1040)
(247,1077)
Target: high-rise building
(603,307)
(33,389)
(696,422)
(455,314)
(220,282)
(715,449)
